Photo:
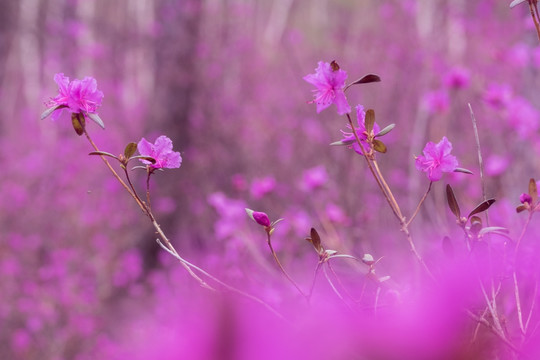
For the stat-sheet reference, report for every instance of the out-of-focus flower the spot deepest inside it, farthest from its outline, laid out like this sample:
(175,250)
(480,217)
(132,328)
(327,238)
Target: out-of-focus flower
(360,131)
(315,177)
(336,214)
(498,96)
(329,81)
(523,117)
(518,56)
(437,159)
(436,102)
(457,78)
(78,96)
(162,151)
(263,186)
(496,165)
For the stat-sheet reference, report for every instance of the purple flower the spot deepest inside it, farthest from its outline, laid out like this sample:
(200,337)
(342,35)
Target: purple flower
(437,159)
(329,81)
(78,96)
(161,151)
(457,78)
(360,131)
(498,96)
(437,102)
(315,177)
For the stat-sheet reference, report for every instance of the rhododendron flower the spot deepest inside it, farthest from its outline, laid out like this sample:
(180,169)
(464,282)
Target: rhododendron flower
(360,131)
(329,81)
(437,159)
(78,96)
(161,151)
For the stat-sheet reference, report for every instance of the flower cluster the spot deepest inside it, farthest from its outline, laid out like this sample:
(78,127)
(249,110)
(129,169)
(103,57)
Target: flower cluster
(78,96)
(161,151)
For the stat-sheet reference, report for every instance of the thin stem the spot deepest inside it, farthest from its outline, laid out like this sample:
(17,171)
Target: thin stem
(314,279)
(282,268)
(520,238)
(225,285)
(148,190)
(115,174)
(534,13)
(532,305)
(370,166)
(518,303)
(339,281)
(419,204)
(493,330)
(332,286)
(376,302)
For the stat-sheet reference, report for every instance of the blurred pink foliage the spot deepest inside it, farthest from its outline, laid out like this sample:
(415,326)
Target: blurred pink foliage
(82,276)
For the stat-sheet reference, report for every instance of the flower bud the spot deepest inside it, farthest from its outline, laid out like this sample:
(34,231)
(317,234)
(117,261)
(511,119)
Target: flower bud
(259,217)
(525,198)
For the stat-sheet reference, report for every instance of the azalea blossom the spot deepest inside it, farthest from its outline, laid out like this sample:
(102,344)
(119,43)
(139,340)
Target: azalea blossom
(360,131)
(162,151)
(78,96)
(437,159)
(329,81)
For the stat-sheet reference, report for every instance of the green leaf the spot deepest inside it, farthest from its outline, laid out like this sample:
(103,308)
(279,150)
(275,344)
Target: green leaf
(533,191)
(452,202)
(462,170)
(369,120)
(130,150)
(95,118)
(103,153)
(379,146)
(386,130)
(77,119)
(483,206)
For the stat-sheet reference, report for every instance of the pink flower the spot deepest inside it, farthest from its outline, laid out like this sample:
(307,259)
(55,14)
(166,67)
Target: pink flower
(437,159)
(437,102)
(329,81)
(262,186)
(315,177)
(78,96)
(360,131)
(457,78)
(161,151)
(498,96)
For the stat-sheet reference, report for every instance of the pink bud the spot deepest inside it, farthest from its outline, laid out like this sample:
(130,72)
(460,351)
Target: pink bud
(261,218)
(525,198)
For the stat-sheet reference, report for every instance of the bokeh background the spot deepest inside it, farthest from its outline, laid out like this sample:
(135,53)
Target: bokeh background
(82,276)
